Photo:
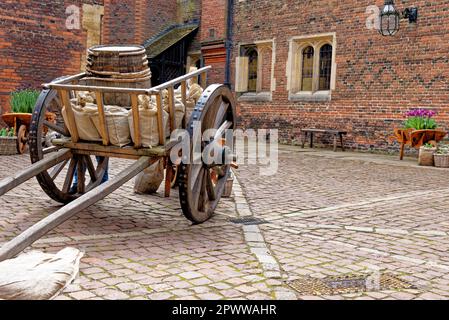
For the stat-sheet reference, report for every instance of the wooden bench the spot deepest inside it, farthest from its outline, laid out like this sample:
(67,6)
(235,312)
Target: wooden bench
(338,134)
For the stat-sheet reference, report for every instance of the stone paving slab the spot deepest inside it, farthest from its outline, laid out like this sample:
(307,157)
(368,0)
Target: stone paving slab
(327,215)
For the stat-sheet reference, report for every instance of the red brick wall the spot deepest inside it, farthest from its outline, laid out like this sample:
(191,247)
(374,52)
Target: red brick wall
(35,46)
(134,21)
(266,69)
(212,35)
(213,17)
(378,78)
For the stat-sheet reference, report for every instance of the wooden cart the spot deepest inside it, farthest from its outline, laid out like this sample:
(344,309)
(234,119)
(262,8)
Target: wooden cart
(201,185)
(21,123)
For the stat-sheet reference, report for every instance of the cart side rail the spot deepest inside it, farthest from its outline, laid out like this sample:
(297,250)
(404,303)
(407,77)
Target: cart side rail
(69,85)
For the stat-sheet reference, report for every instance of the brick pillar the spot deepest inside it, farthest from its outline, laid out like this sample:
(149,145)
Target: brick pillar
(213,36)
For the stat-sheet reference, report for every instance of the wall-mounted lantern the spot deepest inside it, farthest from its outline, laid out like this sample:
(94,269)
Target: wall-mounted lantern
(390,17)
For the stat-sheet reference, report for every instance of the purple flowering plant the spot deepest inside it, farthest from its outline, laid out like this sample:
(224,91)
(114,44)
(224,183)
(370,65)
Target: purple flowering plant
(420,119)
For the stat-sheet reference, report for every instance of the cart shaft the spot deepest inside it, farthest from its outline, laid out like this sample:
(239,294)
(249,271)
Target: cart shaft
(32,171)
(28,237)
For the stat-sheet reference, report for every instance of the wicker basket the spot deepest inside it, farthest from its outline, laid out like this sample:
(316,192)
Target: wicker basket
(426,156)
(8,146)
(441,160)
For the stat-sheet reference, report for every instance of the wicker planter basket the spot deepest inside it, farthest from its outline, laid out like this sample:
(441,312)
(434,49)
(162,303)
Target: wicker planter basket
(426,156)
(441,160)
(8,146)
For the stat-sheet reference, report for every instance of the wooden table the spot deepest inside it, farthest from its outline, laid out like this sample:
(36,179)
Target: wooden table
(338,135)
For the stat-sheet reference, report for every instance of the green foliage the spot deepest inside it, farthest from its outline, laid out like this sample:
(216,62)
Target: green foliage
(429,146)
(5,132)
(23,101)
(420,123)
(443,149)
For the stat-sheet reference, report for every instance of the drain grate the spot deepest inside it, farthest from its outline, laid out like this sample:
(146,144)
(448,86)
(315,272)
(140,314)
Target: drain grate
(248,221)
(351,283)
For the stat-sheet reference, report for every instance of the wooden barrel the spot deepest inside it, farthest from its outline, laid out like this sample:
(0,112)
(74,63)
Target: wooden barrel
(117,59)
(123,66)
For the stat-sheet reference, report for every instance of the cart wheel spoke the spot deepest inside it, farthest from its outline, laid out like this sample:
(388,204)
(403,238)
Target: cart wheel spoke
(221,113)
(91,169)
(210,184)
(81,175)
(57,170)
(196,169)
(200,198)
(69,178)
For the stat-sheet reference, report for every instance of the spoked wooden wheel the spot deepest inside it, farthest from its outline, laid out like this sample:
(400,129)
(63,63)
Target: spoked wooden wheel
(22,139)
(58,181)
(202,182)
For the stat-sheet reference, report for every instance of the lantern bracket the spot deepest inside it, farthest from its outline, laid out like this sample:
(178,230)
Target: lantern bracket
(411,14)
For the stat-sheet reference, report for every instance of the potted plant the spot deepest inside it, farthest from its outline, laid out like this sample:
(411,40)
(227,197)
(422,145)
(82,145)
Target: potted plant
(441,156)
(7,142)
(419,128)
(426,153)
(22,107)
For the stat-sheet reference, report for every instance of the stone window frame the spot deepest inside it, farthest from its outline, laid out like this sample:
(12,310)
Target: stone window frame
(259,95)
(294,67)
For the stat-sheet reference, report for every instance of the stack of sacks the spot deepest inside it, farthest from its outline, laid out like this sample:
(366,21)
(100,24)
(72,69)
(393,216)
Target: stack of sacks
(84,108)
(149,132)
(116,125)
(194,93)
(180,109)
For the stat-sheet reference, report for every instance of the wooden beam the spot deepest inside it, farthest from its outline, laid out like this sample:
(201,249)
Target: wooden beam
(64,96)
(185,77)
(136,122)
(28,237)
(66,80)
(184,101)
(95,149)
(100,88)
(32,171)
(204,80)
(102,119)
(171,108)
(160,122)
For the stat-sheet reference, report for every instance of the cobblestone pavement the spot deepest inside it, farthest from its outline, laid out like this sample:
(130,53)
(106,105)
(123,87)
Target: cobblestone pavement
(324,215)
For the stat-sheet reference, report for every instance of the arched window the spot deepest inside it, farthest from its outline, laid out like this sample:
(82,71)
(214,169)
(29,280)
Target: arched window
(252,69)
(325,67)
(307,69)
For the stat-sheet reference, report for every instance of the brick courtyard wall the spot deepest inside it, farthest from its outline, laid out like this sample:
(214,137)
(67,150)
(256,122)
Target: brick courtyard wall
(212,35)
(134,21)
(35,45)
(377,80)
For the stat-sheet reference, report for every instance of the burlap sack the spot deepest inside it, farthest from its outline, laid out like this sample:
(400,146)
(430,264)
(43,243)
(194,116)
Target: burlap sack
(193,95)
(193,80)
(149,129)
(116,124)
(83,119)
(85,97)
(149,180)
(38,276)
(180,110)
